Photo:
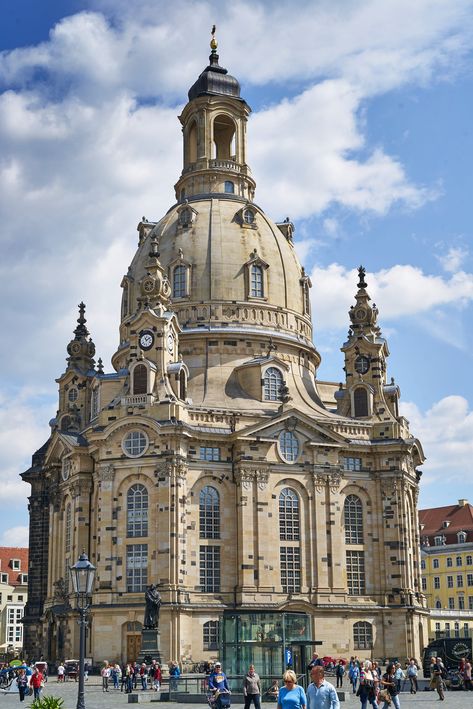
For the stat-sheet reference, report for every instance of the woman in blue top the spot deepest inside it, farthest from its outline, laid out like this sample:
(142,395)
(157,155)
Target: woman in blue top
(291,696)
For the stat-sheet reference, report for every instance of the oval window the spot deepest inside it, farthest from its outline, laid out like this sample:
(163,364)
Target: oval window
(288,446)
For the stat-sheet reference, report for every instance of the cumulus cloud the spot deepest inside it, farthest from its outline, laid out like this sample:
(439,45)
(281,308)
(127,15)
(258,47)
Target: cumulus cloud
(446,433)
(399,291)
(453,259)
(15,537)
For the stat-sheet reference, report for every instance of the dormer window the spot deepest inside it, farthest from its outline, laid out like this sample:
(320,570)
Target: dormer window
(248,216)
(446,523)
(180,276)
(256,277)
(15,564)
(461,536)
(186,216)
(256,289)
(439,540)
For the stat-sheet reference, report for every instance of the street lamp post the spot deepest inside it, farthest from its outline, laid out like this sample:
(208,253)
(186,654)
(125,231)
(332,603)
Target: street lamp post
(82,576)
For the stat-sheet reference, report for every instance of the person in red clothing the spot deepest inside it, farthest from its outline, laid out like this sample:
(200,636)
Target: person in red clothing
(37,682)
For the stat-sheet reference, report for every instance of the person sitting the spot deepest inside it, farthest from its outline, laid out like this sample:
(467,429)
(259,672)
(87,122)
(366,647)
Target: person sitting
(218,684)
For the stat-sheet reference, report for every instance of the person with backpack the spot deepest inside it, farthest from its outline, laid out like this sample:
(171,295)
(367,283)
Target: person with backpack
(339,672)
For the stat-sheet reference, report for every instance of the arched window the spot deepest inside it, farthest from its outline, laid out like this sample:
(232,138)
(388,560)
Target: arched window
(137,511)
(224,137)
(288,446)
(306,297)
(360,400)
(192,143)
(140,379)
(125,299)
(182,385)
(363,636)
(211,635)
(179,282)
(289,515)
(256,285)
(438,604)
(353,515)
(209,513)
(229,187)
(68,529)
(272,383)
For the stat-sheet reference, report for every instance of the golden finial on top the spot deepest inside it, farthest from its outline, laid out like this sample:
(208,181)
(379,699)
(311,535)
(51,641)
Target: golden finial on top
(213,41)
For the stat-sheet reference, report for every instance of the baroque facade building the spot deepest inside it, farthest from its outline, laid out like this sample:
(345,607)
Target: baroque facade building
(446,535)
(271,508)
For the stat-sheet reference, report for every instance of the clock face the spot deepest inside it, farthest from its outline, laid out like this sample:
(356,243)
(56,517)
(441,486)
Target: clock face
(146,340)
(170,343)
(75,347)
(362,364)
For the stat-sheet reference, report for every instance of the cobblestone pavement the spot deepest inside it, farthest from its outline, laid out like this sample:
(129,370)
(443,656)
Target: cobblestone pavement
(95,698)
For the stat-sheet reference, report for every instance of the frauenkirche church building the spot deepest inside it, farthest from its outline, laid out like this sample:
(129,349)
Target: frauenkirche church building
(272,509)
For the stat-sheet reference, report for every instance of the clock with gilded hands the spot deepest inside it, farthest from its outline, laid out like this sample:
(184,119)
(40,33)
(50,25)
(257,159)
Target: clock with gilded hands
(146,339)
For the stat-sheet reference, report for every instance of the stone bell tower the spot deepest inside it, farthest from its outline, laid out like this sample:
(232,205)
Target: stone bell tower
(214,130)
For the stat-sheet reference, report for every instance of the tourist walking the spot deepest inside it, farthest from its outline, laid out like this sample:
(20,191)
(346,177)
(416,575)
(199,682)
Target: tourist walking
(37,682)
(412,672)
(320,693)
(389,693)
(292,695)
(366,691)
(105,672)
(22,682)
(437,671)
(252,688)
(339,672)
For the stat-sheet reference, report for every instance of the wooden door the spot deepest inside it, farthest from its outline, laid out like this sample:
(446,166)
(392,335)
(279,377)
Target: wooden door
(133,647)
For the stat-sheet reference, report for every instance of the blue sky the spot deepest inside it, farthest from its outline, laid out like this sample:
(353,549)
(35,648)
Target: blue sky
(361,133)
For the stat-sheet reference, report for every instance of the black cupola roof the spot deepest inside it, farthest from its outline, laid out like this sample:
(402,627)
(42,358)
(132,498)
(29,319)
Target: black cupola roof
(214,79)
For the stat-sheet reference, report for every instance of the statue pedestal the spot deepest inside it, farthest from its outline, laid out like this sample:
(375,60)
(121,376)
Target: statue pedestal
(150,646)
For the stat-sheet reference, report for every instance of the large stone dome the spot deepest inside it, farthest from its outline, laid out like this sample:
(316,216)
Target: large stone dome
(221,245)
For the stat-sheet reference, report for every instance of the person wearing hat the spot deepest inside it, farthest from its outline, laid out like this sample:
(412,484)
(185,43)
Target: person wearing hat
(218,682)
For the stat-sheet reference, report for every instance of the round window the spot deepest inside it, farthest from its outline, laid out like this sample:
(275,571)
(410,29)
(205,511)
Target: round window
(72,394)
(134,444)
(288,446)
(249,216)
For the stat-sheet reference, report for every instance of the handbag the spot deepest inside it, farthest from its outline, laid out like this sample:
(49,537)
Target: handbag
(384,696)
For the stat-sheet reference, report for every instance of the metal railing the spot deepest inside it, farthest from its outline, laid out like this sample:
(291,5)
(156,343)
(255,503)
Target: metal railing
(198,685)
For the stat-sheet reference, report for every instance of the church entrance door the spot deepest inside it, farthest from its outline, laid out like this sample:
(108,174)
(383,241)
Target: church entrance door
(133,647)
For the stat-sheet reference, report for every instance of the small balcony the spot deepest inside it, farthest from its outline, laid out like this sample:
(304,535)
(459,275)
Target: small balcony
(137,400)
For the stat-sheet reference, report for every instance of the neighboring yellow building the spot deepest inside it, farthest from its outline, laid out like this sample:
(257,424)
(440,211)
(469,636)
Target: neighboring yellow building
(447,568)
(273,510)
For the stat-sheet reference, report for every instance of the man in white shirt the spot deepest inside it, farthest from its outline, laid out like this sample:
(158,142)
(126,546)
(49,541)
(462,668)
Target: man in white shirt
(320,693)
(60,673)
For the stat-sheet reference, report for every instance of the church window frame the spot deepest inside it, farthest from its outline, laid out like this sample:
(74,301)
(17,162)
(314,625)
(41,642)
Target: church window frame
(180,281)
(289,447)
(125,299)
(256,281)
(140,379)
(229,187)
(290,568)
(362,635)
(351,463)
(249,216)
(135,443)
(72,395)
(224,137)
(273,380)
(95,403)
(356,577)
(209,453)
(353,520)
(209,568)
(137,511)
(68,529)
(209,513)
(289,515)
(360,402)
(136,568)
(211,635)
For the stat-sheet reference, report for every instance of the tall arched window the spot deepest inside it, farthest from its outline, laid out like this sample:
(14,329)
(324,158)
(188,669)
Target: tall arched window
(224,137)
(140,379)
(289,515)
(360,399)
(192,143)
(209,513)
(272,383)
(182,385)
(179,282)
(353,515)
(137,511)
(363,636)
(256,285)
(125,299)
(68,529)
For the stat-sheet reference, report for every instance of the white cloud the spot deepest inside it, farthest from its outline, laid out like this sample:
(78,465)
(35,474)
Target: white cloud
(15,537)
(399,291)
(453,259)
(446,434)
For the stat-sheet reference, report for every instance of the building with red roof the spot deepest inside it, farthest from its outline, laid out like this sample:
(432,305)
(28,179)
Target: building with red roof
(13,597)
